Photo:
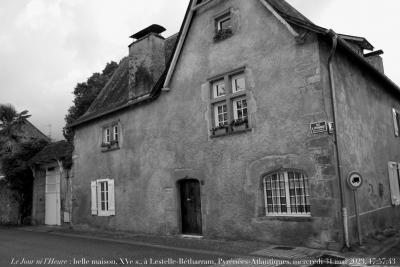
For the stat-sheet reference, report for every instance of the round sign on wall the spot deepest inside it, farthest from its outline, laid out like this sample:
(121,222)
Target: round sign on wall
(355,180)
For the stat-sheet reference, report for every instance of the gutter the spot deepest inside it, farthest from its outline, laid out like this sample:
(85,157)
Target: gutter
(335,39)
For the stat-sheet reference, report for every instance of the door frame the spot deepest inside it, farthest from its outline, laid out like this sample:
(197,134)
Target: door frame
(58,193)
(180,218)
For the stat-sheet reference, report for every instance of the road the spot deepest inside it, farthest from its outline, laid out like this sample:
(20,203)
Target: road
(41,248)
(393,255)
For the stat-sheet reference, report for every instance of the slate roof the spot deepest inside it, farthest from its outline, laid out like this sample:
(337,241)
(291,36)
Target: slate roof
(286,10)
(54,151)
(115,95)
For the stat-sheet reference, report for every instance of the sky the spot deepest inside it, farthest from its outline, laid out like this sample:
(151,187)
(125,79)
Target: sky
(48,46)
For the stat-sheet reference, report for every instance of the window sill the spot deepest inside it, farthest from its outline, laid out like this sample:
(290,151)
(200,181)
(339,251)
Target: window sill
(222,35)
(288,218)
(230,132)
(110,148)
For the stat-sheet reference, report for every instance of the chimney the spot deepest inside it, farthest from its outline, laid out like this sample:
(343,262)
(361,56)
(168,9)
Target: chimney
(375,59)
(146,60)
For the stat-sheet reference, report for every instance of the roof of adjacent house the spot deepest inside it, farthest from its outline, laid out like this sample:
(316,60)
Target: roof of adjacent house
(56,151)
(114,96)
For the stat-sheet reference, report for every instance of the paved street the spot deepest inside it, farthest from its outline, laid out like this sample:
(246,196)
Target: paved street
(37,248)
(21,246)
(393,255)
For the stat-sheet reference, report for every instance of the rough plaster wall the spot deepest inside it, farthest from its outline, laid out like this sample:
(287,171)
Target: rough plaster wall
(168,139)
(367,141)
(8,206)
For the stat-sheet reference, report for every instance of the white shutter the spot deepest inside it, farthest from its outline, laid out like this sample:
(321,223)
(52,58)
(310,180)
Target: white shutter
(396,126)
(111,197)
(93,186)
(394,183)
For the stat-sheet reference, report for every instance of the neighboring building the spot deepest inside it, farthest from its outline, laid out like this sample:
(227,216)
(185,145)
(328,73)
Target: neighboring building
(9,207)
(51,203)
(216,139)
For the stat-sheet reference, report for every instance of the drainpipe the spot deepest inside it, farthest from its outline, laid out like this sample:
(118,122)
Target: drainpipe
(334,37)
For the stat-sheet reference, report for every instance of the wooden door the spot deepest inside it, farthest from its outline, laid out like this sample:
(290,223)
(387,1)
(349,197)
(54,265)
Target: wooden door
(190,207)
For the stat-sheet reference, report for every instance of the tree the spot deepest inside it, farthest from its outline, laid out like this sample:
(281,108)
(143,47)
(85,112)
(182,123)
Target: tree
(10,123)
(19,175)
(14,163)
(85,93)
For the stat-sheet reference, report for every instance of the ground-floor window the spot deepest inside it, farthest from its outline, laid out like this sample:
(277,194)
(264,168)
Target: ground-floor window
(286,192)
(103,197)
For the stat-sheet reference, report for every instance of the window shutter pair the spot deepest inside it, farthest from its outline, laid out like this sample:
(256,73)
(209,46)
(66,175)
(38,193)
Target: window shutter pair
(395,122)
(95,196)
(394,182)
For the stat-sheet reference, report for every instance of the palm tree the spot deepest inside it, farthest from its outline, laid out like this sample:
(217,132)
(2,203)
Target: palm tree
(10,123)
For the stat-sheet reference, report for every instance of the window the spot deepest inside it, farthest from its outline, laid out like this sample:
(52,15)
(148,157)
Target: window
(219,89)
(224,23)
(103,203)
(221,114)
(394,181)
(240,109)
(229,104)
(223,26)
(111,136)
(396,121)
(286,193)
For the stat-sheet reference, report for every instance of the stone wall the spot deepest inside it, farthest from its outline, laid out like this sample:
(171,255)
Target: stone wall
(366,138)
(9,208)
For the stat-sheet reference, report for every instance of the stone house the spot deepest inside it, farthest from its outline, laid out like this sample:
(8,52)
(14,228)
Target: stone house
(9,207)
(51,202)
(245,125)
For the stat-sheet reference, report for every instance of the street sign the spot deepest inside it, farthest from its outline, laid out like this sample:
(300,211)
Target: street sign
(354,180)
(319,127)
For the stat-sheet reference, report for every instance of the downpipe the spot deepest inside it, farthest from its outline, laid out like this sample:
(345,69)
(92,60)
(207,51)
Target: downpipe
(334,37)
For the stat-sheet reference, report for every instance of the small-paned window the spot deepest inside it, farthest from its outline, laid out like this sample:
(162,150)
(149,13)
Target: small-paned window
(103,197)
(229,104)
(111,136)
(223,26)
(240,109)
(221,114)
(286,192)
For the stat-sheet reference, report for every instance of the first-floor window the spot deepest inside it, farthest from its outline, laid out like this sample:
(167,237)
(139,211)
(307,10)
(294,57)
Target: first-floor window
(229,103)
(240,109)
(103,203)
(221,114)
(286,193)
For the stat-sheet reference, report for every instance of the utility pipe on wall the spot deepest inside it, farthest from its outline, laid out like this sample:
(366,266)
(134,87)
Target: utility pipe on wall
(334,37)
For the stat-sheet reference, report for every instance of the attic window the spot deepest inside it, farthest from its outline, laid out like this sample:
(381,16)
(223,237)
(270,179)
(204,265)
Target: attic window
(223,26)
(111,136)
